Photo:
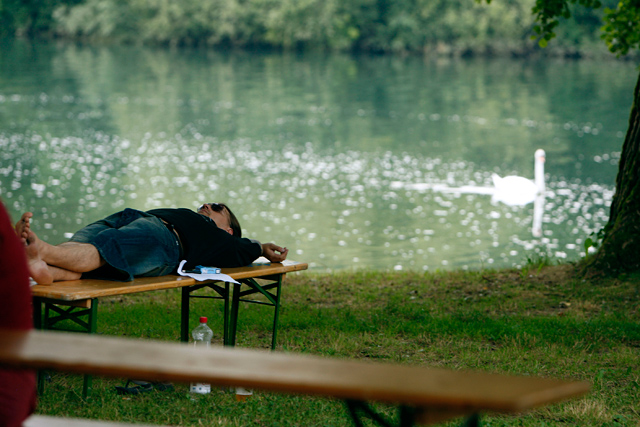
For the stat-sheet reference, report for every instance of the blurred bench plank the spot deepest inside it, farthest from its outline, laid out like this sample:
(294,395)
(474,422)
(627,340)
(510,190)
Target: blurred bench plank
(47,421)
(435,394)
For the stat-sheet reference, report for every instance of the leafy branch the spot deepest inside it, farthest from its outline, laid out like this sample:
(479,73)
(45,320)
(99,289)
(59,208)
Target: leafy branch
(621,31)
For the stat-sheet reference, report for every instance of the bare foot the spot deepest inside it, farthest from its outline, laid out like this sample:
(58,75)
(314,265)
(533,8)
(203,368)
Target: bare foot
(28,237)
(23,226)
(37,267)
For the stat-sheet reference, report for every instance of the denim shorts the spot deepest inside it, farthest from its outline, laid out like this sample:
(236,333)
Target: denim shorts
(133,244)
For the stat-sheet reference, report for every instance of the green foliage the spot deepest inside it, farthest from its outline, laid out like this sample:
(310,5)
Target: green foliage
(621,30)
(594,240)
(549,12)
(28,17)
(444,26)
(99,19)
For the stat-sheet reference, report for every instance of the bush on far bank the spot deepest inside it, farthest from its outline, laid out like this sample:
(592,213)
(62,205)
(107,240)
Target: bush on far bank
(434,27)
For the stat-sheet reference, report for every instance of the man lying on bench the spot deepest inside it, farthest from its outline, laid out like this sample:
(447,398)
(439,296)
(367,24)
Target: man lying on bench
(133,243)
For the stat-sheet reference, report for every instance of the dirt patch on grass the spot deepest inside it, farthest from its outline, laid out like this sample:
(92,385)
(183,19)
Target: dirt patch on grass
(556,274)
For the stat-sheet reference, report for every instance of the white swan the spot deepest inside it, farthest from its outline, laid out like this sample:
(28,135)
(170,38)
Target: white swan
(516,190)
(510,190)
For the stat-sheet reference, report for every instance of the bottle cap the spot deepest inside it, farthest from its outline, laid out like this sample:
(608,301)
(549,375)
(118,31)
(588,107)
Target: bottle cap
(203,319)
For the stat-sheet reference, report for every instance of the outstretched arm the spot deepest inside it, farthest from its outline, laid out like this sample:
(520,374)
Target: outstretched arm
(273,252)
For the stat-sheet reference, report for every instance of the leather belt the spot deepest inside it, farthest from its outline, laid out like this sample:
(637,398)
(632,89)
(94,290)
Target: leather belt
(175,232)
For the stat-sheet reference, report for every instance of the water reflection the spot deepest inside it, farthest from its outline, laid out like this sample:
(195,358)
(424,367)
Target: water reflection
(309,150)
(337,211)
(538,213)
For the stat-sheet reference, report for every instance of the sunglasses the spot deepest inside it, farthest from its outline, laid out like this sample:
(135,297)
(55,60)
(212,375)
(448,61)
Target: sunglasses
(216,207)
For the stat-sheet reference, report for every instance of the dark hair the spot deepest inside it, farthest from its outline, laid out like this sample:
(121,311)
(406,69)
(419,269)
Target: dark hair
(234,223)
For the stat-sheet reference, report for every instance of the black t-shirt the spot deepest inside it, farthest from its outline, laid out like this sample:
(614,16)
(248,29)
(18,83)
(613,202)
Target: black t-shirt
(206,244)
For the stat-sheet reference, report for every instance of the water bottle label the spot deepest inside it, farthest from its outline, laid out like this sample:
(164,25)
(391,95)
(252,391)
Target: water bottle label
(200,388)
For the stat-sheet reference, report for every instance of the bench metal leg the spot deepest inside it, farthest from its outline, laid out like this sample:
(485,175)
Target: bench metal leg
(86,318)
(185,310)
(472,421)
(93,327)
(232,302)
(37,323)
(276,314)
(37,313)
(184,315)
(230,340)
(226,325)
(406,415)
(273,299)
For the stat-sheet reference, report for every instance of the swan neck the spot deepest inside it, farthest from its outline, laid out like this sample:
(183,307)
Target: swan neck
(539,175)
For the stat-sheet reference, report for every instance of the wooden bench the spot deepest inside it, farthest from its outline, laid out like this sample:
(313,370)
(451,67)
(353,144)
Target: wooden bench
(77,300)
(45,421)
(423,395)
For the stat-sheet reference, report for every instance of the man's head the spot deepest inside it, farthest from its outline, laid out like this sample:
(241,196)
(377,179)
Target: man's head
(223,217)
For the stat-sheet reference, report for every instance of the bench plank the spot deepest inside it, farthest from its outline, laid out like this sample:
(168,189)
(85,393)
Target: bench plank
(443,390)
(73,290)
(47,421)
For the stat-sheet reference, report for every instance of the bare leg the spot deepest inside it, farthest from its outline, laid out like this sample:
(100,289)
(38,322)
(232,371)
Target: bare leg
(62,274)
(62,262)
(45,274)
(72,256)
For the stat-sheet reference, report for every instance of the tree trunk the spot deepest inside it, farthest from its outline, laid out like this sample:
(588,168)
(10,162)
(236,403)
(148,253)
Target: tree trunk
(620,249)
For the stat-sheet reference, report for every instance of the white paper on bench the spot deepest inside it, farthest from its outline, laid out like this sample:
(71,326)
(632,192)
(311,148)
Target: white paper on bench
(201,277)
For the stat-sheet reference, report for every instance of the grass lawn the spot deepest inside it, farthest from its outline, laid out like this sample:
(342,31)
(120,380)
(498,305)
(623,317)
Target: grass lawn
(541,321)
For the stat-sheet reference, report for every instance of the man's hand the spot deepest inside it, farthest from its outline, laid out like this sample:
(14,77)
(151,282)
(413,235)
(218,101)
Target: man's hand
(274,253)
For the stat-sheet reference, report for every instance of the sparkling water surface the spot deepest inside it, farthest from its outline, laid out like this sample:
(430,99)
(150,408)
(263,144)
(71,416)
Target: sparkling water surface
(343,159)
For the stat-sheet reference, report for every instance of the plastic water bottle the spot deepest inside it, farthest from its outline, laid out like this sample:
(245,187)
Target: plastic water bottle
(202,335)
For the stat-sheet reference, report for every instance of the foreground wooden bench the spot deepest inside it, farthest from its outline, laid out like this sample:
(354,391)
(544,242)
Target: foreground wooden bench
(45,421)
(76,301)
(423,395)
